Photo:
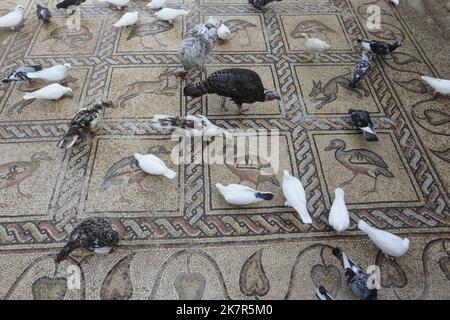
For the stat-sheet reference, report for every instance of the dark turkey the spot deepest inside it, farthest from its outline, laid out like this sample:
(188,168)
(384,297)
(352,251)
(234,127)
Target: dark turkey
(380,48)
(95,235)
(260,3)
(240,85)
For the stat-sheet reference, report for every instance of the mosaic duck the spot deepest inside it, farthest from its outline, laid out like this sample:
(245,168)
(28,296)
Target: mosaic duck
(13,173)
(360,161)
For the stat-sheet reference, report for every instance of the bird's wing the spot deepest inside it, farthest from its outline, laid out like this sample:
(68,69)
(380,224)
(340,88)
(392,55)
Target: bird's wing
(84,117)
(361,157)
(237,84)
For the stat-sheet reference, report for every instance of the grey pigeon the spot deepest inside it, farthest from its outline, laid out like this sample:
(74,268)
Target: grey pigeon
(20,74)
(361,119)
(95,235)
(84,121)
(361,68)
(196,45)
(380,48)
(356,277)
(43,13)
(240,85)
(323,294)
(260,3)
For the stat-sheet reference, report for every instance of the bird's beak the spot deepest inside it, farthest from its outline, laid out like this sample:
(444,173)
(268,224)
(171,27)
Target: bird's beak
(328,148)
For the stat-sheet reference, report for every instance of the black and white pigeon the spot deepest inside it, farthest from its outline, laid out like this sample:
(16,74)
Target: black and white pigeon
(361,119)
(196,45)
(20,74)
(43,13)
(261,3)
(361,68)
(240,85)
(93,235)
(380,48)
(69,3)
(323,294)
(356,277)
(81,125)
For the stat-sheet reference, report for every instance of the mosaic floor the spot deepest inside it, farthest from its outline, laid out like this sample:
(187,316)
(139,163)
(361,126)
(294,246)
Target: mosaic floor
(179,238)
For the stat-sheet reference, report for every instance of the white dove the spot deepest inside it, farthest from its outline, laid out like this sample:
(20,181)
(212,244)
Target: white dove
(223,32)
(53,91)
(339,218)
(12,19)
(441,86)
(389,243)
(295,196)
(242,195)
(157,4)
(127,19)
(396,2)
(118,3)
(55,73)
(168,14)
(314,45)
(154,165)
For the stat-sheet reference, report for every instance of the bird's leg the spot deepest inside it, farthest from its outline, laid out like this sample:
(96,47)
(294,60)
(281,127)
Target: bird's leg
(83,255)
(349,181)
(223,100)
(248,38)
(240,110)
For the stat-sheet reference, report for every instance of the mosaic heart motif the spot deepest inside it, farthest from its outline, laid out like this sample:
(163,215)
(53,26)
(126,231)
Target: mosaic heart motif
(117,284)
(48,288)
(327,276)
(253,280)
(392,274)
(444,264)
(190,285)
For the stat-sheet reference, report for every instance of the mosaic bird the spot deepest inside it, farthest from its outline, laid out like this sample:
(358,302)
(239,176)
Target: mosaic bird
(360,161)
(82,124)
(13,173)
(339,218)
(196,45)
(256,176)
(151,164)
(150,29)
(127,19)
(189,125)
(261,3)
(389,243)
(20,74)
(361,119)
(311,27)
(236,25)
(238,194)
(240,85)
(295,196)
(380,48)
(69,3)
(157,4)
(169,14)
(441,86)
(54,92)
(12,19)
(323,294)
(120,4)
(43,13)
(361,68)
(54,74)
(356,277)
(93,235)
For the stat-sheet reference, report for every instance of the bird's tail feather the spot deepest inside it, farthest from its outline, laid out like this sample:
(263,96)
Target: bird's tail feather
(161,121)
(170,174)
(304,215)
(28,96)
(264,195)
(370,136)
(363,226)
(64,253)
(196,90)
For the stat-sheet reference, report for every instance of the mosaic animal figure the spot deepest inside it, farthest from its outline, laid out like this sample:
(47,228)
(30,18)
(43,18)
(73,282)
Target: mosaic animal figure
(236,25)
(160,86)
(71,37)
(311,27)
(14,173)
(151,29)
(254,175)
(330,90)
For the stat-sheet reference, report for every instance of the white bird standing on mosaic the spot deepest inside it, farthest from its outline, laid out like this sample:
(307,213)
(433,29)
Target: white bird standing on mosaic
(189,125)
(389,243)
(118,3)
(13,19)
(154,165)
(295,196)
(54,74)
(168,14)
(54,91)
(238,194)
(314,45)
(339,218)
(223,32)
(441,86)
(127,19)
(157,4)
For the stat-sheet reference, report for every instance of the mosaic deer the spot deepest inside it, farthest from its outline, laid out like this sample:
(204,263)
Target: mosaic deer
(330,90)
(160,86)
